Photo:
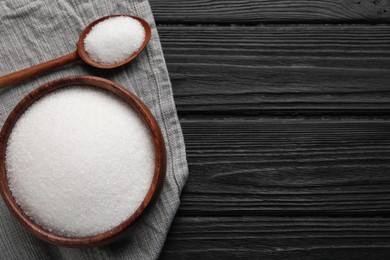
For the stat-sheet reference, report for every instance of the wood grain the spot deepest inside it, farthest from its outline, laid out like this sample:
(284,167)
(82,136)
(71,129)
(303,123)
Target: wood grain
(274,11)
(278,238)
(245,167)
(283,70)
(285,111)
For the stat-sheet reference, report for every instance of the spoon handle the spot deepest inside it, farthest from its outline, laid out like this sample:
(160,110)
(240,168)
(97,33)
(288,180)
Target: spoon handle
(15,77)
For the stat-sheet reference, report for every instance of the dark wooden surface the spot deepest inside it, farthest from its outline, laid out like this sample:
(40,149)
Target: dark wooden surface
(285,109)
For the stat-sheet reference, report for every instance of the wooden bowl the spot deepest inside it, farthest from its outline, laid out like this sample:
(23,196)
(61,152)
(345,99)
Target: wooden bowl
(159,167)
(84,55)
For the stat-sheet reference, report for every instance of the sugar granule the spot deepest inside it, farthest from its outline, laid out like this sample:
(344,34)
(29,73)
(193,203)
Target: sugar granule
(79,161)
(114,39)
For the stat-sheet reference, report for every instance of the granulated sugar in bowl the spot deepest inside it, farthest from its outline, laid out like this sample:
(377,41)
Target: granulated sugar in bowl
(80,161)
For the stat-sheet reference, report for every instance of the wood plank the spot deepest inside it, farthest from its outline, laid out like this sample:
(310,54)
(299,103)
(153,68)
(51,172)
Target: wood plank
(275,11)
(284,70)
(287,167)
(278,238)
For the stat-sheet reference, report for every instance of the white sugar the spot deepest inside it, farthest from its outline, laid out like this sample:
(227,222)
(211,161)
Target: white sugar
(79,161)
(114,39)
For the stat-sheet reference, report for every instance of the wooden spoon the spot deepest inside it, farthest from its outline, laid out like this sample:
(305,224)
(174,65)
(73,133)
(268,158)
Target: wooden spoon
(80,53)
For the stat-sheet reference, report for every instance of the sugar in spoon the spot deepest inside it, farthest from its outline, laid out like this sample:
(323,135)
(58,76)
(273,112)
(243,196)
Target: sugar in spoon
(78,54)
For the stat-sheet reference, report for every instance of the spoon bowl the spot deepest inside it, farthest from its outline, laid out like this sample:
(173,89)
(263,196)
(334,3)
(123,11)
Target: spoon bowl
(80,53)
(84,55)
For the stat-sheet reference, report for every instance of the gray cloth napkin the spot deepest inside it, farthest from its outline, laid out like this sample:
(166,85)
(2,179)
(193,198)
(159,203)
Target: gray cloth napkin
(35,31)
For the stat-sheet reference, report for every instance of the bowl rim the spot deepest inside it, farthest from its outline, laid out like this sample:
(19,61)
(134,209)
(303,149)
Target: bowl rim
(159,166)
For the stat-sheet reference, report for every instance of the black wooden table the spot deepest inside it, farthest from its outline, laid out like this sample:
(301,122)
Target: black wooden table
(285,109)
